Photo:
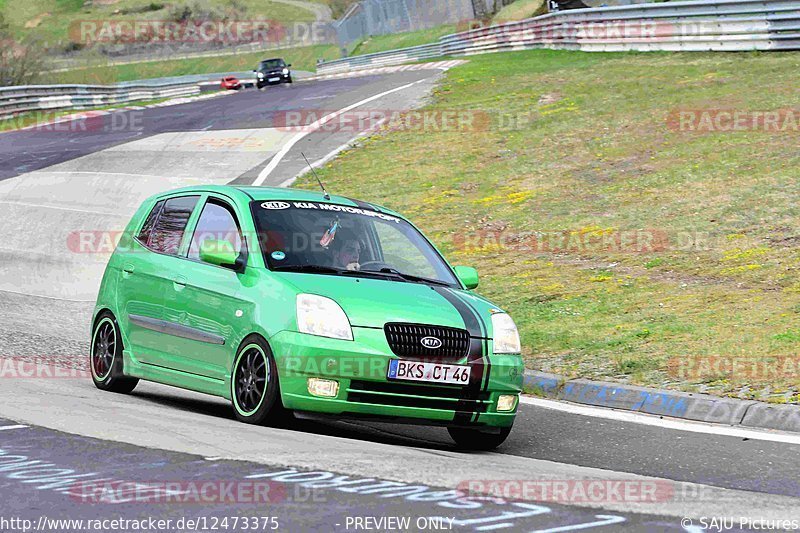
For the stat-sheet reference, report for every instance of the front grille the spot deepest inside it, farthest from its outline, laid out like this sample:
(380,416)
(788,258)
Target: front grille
(405,340)
(421,396)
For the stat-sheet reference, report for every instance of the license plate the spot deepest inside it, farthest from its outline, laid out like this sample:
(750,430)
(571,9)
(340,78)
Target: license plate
(428,372)
(274,79)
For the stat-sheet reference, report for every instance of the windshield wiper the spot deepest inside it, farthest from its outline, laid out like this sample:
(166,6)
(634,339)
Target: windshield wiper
(321,269)
(317,269)
(409,277)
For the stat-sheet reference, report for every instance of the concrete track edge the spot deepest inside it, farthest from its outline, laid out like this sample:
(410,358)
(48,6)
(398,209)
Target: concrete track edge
(675,404)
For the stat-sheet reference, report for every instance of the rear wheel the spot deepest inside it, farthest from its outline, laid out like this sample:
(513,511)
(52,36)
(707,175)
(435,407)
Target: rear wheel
(476,439)
(254,384)
(105,357)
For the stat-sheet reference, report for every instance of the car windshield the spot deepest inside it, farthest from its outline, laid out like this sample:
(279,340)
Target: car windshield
(343,240)
(271,63)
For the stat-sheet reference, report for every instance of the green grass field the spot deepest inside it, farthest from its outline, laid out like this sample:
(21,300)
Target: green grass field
(50,20)
(581,148)
(301,58)
(382,43)
(520,10)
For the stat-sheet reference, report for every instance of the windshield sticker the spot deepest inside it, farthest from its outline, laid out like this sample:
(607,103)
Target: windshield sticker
(329,207)
(330,234)
(275,205)
(278,255)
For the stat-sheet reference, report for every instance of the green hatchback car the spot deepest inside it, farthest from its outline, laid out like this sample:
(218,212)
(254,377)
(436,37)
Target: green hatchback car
(291,302)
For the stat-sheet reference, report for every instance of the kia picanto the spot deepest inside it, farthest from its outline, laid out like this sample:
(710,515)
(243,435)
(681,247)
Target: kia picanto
(295,303)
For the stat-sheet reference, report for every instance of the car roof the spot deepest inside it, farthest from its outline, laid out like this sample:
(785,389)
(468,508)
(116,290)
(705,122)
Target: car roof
(272,59)
(245,194)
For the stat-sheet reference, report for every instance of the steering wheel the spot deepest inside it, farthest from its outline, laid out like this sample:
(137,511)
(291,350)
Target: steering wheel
(377,265)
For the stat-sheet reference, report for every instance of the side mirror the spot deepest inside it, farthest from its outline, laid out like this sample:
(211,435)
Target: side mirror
(254,71)
(289,65)
(468,276)
(220,253)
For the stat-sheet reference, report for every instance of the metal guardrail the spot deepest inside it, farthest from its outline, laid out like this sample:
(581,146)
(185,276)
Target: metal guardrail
(392,57)
(27,98)
(719,25)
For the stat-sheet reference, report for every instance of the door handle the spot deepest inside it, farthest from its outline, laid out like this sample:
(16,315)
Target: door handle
(179,283)
(127,270)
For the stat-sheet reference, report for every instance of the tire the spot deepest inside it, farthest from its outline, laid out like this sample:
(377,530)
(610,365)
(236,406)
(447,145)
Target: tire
(289,80)
(254,403)
(478,440)
(105,356)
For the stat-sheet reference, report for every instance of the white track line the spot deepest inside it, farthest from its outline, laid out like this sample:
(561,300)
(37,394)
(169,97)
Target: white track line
(330,155)
(5,428)
(262,176)
(58,207)
(666,423)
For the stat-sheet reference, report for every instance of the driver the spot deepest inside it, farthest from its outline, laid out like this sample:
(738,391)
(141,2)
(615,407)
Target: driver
(346,250)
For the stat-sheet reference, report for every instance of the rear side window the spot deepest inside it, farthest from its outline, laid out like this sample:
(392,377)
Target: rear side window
(167,232)
(147,228)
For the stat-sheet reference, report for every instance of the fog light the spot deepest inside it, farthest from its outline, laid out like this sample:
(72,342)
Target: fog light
(506,402)
(323,387)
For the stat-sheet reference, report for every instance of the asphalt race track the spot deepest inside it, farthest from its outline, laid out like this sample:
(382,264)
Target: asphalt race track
(70,451)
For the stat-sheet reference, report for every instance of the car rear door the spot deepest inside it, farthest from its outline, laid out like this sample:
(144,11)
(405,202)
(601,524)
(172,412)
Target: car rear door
(144,277)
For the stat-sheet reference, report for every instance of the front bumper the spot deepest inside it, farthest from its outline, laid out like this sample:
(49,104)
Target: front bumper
(281,78)
(360,367)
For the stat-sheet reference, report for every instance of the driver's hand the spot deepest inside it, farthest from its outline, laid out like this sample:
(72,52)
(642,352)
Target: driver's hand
(353,266)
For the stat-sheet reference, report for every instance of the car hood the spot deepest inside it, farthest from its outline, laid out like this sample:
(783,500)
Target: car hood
(374,302)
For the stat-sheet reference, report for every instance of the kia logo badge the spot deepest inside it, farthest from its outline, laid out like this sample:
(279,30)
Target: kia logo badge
(276,205)
(431,342)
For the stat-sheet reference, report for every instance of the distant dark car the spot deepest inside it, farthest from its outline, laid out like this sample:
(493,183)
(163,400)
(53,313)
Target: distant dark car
(231,83)
(272,72)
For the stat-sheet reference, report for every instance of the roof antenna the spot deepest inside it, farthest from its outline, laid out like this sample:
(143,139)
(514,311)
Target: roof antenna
(321,186)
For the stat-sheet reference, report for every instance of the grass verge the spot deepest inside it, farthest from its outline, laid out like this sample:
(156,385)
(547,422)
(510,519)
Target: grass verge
(55,21)
(673,254)
(520,10)
(301,58)
(383,43)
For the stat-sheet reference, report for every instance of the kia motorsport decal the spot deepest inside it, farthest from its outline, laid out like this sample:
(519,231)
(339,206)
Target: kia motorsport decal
(334,208)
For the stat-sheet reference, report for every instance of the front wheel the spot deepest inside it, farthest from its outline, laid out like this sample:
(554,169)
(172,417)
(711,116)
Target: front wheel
(105,357)
(254,384)
(478,440)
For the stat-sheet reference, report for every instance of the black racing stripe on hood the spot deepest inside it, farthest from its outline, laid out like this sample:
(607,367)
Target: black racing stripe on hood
(468,315)
(475,356)
(485,341)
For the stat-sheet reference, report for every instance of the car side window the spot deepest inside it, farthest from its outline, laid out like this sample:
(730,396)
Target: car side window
(218,222)
(147,227)
(167,232)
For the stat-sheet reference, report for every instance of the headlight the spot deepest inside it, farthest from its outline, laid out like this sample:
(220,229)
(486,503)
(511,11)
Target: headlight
(317,315)
(506,336)
(260,74)
(286,71)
